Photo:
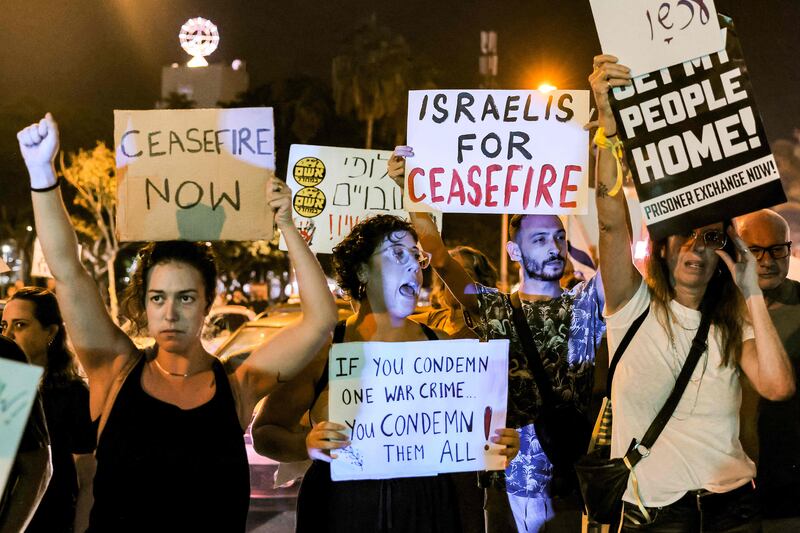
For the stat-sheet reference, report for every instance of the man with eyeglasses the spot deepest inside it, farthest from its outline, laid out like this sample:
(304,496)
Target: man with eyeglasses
(566,326)
(767,235)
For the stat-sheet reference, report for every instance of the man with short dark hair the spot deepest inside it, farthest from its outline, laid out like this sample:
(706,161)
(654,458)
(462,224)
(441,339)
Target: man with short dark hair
(767,235)
(567,327)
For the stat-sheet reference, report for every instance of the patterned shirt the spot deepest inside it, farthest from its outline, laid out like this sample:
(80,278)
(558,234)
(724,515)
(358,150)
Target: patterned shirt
(567,331)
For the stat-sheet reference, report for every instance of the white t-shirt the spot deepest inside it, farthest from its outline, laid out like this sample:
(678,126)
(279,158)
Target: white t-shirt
(699,447)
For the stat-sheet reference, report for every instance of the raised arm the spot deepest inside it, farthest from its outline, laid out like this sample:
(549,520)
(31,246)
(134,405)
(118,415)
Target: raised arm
(764,359)
(277,429)
(98,342)
(452,273)
(285,354)
(620,277)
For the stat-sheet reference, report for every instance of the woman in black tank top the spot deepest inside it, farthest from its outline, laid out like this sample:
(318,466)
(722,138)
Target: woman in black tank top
(380,265)
(170,454)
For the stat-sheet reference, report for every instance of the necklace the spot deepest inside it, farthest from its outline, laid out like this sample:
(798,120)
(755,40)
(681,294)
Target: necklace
(168,373)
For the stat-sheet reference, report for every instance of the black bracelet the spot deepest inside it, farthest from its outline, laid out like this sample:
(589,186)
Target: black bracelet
(56,185)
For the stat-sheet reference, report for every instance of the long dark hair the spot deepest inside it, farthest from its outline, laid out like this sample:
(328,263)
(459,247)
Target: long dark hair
(195,254)
(723,298)
(61,368)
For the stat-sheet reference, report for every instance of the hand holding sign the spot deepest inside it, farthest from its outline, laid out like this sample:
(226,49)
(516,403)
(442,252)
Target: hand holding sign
(509,438)
(279,199)
(324,437)
(607,73)
(397,164)
(39,145)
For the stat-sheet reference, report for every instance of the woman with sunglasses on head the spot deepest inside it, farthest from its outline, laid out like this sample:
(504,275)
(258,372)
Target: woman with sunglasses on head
(170,452)
(380,265)
(696,476)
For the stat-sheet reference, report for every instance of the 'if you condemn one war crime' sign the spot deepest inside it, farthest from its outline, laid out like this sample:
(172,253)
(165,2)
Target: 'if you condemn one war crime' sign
(417,408)
(194,174)
(695,143)
(491,151)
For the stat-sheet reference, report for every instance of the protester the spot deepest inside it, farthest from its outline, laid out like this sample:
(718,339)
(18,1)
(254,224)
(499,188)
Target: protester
(567,328)
(379,264)
(170,453)
(696,476)
(238,298)
(32,467)
(32,319)
(766,233)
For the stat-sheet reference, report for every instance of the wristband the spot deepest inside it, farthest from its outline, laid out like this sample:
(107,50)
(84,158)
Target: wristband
(615,146)
(56,185)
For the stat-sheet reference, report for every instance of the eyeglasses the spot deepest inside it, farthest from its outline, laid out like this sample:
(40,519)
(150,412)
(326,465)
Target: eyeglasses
(713,239)
(403,255)
(776,251)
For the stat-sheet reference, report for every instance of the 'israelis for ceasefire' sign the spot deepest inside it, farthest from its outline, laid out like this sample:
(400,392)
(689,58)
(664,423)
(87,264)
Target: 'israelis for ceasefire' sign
(417,408)
(194,174)
(487,151)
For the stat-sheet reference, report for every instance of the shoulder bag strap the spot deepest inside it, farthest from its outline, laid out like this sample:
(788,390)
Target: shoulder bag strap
(623,345)
(699,346)
(531,353)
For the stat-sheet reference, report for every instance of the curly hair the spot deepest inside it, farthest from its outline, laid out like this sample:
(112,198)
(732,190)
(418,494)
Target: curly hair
(195,254)
(728,307)
(60,369)
(358,247)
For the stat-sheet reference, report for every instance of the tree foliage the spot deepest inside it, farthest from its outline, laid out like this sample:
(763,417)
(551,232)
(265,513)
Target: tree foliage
(93,176)
(371,74)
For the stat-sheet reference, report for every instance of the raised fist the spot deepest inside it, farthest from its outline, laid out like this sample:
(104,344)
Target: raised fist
(39,145)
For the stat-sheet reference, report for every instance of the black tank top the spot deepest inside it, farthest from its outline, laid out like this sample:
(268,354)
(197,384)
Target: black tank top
(163,468)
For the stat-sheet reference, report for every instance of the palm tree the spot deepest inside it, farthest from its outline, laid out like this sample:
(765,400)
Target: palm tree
(370,75)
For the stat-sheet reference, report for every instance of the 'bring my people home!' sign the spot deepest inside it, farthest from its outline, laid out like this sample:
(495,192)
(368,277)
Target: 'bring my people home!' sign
(194,174)
(417,408)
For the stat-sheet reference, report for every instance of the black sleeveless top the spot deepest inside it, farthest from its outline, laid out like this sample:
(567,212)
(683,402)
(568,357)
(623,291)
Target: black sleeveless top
(163,468)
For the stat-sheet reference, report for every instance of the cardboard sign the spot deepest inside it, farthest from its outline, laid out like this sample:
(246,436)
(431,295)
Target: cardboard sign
(417,408)
(483,151)
(695,143)
(333,189)
(18,385)
(194,174)
(649,35)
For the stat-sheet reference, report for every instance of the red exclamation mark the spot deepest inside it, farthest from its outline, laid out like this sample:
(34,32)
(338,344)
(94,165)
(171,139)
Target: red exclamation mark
(487,423)
(749,123)
(330,220)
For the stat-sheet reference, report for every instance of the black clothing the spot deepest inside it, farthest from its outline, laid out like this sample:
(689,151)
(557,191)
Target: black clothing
(163,468)
(66,408)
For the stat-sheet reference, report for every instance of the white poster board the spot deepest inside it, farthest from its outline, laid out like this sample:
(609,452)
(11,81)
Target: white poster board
(18,384)
(648,35)
(194,174)
(333,189)
(417,408)
(487,151)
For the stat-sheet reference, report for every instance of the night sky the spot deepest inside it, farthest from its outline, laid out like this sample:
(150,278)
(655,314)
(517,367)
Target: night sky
(83,58)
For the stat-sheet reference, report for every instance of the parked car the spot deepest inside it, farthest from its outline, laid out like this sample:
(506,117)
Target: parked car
(264,494)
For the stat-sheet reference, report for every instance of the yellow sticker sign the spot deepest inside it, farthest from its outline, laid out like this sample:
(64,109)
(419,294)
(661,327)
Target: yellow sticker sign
(309,202)
(309,171)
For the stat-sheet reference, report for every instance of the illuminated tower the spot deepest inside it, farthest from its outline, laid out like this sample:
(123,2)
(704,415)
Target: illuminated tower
(206,84)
